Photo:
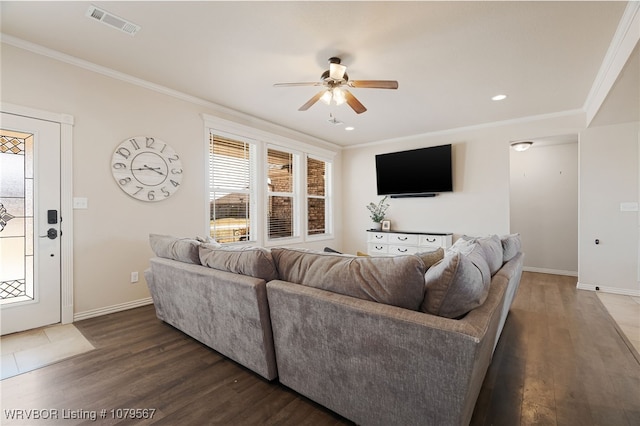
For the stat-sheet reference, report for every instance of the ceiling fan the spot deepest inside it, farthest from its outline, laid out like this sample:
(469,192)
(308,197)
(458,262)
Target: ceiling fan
(335,82)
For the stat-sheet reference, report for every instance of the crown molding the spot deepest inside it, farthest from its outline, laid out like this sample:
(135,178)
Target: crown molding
(219,110)
(474,127)
(624,41)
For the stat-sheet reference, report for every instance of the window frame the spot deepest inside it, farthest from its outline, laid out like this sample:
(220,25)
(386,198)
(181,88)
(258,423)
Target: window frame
(253,190)
(328,199)
(263,140)
(295,195)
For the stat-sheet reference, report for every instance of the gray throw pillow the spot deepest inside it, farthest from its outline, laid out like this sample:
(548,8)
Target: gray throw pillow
(454,286)
(511,245)
(397,281)
(252,261)
(180,249)
(462,245)
(493,253)
(431,257)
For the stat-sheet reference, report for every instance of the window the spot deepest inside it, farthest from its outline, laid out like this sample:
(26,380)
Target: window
(281,188)
(231,189)
(317,197)
(264,188)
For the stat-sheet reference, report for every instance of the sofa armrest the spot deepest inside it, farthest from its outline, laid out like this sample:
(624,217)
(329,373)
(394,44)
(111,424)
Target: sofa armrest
(227,312)
(380,364)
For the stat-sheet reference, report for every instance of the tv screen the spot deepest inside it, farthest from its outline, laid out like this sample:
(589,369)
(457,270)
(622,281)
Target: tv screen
(417,172)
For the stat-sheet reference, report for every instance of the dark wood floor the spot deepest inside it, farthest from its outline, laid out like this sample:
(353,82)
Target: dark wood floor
(559,361)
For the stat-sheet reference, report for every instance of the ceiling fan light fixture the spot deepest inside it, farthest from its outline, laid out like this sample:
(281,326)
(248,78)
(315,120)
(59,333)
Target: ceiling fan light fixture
(521,145)
(338,96)
(336,71)
(326,97)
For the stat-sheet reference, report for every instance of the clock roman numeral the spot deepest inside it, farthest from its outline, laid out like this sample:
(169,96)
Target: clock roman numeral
(124,152)
(134,143)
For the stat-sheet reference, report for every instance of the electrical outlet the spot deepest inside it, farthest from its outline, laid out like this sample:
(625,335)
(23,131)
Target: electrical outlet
(134,277)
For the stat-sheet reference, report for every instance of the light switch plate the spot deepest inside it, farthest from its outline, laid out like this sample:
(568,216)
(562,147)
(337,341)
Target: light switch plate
(629,207)
(80,203)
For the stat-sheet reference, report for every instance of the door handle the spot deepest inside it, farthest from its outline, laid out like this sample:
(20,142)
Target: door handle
(52,234)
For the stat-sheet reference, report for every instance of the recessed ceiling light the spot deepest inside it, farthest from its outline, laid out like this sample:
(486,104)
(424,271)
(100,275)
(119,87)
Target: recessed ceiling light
(499,97)
(349,128)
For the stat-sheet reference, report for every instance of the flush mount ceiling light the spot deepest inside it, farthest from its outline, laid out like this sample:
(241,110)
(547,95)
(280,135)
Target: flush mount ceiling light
(499,97)
(521,145)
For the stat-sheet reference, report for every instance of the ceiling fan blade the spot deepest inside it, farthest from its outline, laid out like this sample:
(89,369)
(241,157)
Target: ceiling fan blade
(297,84)
(312,101)
(374,84)
(353,102)
(336,71)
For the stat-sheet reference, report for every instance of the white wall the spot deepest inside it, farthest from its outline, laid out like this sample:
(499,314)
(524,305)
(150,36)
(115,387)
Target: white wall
(111,236)
(479,204)
(609,175)
(544,206)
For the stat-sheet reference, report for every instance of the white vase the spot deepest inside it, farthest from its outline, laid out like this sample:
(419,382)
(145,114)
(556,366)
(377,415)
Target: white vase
(376,226)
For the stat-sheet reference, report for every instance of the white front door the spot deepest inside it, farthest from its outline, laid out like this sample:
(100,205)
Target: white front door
(30,255)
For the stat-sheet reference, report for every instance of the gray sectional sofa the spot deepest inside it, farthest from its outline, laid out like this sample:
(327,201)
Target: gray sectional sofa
(376,339)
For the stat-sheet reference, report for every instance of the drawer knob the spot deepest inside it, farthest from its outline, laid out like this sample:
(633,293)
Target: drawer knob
(379,237)
(431,240)
(403,250)
(402,238)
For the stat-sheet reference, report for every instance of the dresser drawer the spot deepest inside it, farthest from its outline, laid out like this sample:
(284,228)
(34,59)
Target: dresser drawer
(397,249)
(374,248)
(408,239)
(378,237)
(432,241)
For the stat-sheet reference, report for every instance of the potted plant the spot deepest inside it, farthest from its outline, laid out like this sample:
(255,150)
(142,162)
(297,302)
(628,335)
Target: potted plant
(377,212)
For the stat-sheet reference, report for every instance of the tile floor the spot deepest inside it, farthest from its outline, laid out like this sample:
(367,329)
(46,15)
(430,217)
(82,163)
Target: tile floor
(625,310)
(26,351)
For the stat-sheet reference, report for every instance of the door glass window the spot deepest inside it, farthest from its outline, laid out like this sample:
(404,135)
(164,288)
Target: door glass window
(16,217)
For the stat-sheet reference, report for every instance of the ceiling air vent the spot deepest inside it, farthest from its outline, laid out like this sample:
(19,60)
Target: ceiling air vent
(112,20)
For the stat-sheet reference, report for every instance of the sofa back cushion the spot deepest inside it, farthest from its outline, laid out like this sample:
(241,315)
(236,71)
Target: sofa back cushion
(511,245)
(180,249)
(252,261)
(397,281)
(430,258)
(493,253)
(456,285)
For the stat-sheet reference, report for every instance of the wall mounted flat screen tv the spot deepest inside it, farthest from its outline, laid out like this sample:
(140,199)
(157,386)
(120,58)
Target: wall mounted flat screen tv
(415,173)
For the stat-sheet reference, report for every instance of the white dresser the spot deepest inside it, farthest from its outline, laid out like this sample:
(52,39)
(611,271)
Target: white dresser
(397,243)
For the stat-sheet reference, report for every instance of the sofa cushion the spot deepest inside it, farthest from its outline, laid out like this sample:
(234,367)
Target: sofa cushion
(252,261)
(511,245)
(478,258)
(180,249)
(463,245)
(454,286)
(493,253)
(397,281)
(431,257)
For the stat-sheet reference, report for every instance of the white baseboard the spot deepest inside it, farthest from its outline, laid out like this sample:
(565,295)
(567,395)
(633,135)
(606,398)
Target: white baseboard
(112,309)
(550,271)
(605,289)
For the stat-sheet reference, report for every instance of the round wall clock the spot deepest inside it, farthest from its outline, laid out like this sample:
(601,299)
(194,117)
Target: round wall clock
(146,168)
